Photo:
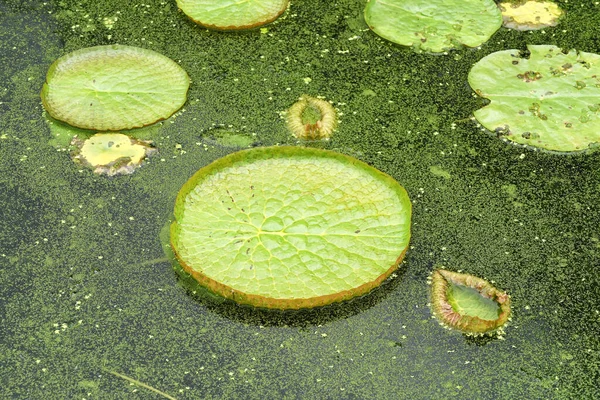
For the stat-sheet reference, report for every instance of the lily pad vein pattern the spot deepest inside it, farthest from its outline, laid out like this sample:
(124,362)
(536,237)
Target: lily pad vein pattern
(293,228)
(434,25)
(550,100)
(232,14)
(114,87)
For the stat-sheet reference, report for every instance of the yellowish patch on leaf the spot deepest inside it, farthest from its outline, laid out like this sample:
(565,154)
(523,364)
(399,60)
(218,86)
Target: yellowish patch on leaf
(530,15)
(111,153)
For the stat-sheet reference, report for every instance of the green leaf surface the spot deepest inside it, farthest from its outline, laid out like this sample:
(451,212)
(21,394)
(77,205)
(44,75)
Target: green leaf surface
(232,14)
(434,25)
(468,301)
(550,100)
(290,227)
(113,88)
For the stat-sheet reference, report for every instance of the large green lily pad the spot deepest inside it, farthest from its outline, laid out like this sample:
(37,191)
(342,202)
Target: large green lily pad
(434,25)
(549,100)
(232,14)
(468,303)
(290,227)
(113,88)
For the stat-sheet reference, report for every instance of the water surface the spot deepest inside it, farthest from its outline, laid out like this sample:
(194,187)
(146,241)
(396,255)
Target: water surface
(85,286)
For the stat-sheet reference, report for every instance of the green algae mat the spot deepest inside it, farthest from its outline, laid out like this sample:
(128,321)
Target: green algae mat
(90,304)
(288,227)
(114,87)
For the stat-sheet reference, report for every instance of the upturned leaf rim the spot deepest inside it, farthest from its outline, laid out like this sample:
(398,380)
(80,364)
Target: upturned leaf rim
(265,301)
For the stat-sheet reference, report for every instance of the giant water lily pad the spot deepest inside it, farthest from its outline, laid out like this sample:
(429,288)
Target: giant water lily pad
(467,303)
(549,100)
(290,227)
(113,88)
(434,25)
(232,14)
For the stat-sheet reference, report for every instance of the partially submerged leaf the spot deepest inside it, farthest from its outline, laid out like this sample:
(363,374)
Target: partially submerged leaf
(434,25)
(229,138)
(232,14)
(530,15)
(467,303)
(290,227)
(114,88)
(550,100)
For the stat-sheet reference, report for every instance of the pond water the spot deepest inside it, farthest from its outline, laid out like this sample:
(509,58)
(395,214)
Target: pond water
(89,301)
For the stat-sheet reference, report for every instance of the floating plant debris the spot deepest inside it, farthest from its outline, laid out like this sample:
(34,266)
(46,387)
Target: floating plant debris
(530,15)
(467,303)
(290,227)
(227,15)
(110,88)
(311,118)
(434,25)
(550,100)
(111,153)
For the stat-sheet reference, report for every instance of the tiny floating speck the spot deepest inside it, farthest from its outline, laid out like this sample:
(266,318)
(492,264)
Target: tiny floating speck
(111,153)
(467,303)
(311,118)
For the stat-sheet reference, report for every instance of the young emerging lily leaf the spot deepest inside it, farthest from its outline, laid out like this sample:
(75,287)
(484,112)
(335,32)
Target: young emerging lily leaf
(550,100)
(530,15)
(434,25)
(467,303)
(227,15)
(290,227)
(311,118)
(109,88)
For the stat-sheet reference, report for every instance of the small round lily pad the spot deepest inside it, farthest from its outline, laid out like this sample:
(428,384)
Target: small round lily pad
(530,15)
(434,25)
(467,303)
(111,153)
(227,15)
(290,227)
(110,88)
(549,100)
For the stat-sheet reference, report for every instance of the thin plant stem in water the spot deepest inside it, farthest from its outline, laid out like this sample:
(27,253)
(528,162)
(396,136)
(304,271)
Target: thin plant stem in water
(136,382)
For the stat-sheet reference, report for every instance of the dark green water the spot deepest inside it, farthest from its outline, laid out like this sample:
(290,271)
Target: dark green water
(85,288)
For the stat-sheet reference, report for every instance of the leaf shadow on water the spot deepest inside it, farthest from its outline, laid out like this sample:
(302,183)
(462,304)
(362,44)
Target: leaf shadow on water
(250,315)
